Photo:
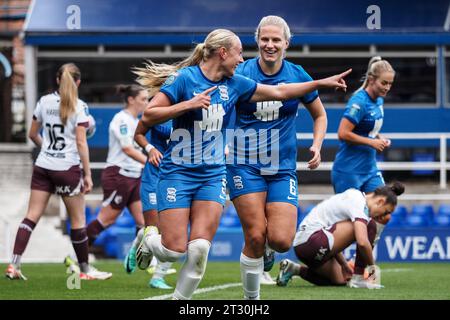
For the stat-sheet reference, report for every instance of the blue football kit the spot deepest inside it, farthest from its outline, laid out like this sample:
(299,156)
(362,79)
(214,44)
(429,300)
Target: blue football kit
(157,136)
(263,152)
(355,166)
(193,166)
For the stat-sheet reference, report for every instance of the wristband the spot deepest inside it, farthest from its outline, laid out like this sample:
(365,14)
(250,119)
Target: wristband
(148,148)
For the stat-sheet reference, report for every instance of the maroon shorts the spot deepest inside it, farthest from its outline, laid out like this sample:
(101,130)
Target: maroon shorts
(119,191)
(316,251)
(65,183)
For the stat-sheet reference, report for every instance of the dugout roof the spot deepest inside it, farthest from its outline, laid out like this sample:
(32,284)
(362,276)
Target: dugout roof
(147,22)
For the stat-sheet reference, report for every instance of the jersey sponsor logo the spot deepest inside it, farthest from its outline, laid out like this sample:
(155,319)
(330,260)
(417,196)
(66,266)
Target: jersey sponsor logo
(62,189)
(171,79)
(171,195)
(212,119)
(238,184)
(52,112)
(223,92)
(268,110)
(123,129)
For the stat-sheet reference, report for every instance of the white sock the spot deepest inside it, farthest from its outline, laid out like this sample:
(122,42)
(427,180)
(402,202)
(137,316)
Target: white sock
(193,269)
(153,242)
(161,269)
(251,269)
(154,262)
(138,238)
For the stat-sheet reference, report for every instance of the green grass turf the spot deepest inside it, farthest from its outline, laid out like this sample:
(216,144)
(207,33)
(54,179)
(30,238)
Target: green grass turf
(401,281)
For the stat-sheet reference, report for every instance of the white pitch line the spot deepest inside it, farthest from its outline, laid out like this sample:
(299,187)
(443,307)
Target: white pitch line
(198,291)
(396,270)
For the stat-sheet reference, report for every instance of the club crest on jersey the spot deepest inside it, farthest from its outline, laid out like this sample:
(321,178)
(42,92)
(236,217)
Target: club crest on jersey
(223,91)
(123,129)
(117,199)
(170,79)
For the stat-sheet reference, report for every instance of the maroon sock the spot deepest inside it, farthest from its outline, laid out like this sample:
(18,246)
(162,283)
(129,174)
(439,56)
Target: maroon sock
(360,264)
(80,244)
(23,235)
(93,230)
(310,276)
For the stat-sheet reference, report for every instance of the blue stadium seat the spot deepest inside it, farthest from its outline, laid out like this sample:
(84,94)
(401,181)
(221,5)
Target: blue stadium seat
(417,221)
(400,212)
(423,157)
(90,216)
(444,210)
(125,220)
(102,238)
(396,221)
(423,210)
(442,221)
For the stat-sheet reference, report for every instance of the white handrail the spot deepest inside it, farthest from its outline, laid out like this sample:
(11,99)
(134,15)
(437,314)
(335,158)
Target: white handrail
(442,165)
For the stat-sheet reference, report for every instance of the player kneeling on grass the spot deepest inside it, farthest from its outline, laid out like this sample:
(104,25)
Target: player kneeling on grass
(332,226)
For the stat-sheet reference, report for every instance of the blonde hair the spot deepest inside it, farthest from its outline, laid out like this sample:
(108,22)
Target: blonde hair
(67,76)
(153,75)
(274,21)
(375,68)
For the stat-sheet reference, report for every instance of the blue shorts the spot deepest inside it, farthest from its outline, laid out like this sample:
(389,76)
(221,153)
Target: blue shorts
(280,187)
(364,182)
(148,189)
(172,194)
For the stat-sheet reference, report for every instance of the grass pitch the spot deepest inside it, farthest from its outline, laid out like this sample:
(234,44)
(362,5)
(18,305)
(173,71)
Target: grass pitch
(405,281)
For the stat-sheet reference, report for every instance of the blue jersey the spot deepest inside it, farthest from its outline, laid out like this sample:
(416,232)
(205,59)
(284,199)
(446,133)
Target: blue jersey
(157,136)
(196,146)
(271,122)
(367,116)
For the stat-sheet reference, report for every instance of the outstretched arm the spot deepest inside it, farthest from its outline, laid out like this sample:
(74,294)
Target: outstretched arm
(288,91)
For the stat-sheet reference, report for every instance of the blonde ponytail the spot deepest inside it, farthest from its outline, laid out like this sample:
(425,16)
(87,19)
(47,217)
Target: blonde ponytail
(376,66)
(67,75)
(153,75)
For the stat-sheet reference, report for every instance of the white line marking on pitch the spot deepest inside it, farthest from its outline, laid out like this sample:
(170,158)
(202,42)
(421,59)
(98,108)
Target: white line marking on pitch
(396,270)
(198,291)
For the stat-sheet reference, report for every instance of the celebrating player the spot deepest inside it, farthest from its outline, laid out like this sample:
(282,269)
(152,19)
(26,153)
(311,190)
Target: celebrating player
(192,182)
(264,194)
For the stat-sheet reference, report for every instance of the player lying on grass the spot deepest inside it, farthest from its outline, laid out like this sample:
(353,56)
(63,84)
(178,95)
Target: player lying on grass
(332,226)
